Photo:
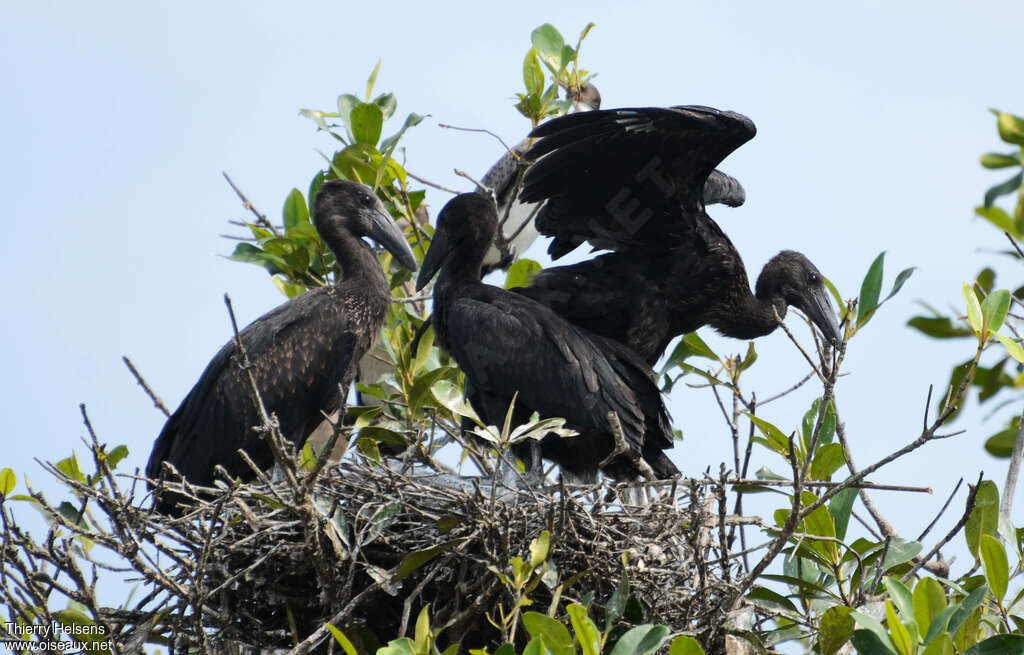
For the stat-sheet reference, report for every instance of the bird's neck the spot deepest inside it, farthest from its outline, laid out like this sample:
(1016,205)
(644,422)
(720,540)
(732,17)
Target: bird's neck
(357,262)
(748,316)
(465,266)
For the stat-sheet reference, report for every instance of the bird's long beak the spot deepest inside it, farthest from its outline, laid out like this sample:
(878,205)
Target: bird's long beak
(386,232)
(819,309)
(440,248)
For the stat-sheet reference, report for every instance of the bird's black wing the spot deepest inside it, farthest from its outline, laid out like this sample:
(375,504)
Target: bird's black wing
(507,344)
(300,352)
(622,178)
(614,295)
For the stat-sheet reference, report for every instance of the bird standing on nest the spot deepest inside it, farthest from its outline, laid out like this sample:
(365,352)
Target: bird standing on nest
(508,344)
(300,352)
(636,182)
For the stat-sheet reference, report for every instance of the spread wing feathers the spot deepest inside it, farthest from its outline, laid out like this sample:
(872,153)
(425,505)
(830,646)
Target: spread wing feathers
(614,295)
(300,352)
(724,189)
(620,178)
(557,368)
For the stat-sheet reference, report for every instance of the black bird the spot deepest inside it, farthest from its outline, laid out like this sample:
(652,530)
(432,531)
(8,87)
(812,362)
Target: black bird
(636,181)
(300,352)
(507,343)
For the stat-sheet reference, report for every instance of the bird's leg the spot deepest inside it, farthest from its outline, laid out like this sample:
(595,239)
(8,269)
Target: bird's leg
(534,466)
(622,448)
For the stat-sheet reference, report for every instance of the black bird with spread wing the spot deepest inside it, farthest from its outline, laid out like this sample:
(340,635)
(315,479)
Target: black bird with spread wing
(508,344)
(636,181)
(300,352)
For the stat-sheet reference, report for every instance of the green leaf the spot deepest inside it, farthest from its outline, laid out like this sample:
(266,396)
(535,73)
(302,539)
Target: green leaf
(961,613)
(984,519)
(996,216)
(295,211)
(387,103)
(418,558)
(774,437)
(586,632)
(85,630)
(766,597)
(995,160)
(827,461)
(69,467)
(683,645)
(534,647)
(943,645)
(897,631)
(422,631)
(900,551)
(834,629)
(994,309)
(372,80)
(870,288)
(367,120)
(553,634)
(641,640)
(749,358)
(346,103)
(533,76)
(342,640)
(521,273)
(115,456)
(841,507)
(698,347)
(928,600)
(388,145)
(996,645)
(1003,188)
(1001,443)
(539,549)
(900,596)
(874,637)
(997,569)
(938,327)
(1011,128)
(7,482)
(549,44)
(973,309)
(1012,347)
(939,622)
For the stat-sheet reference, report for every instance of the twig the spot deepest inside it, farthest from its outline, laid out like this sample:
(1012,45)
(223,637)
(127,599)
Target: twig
(954,531)
(159,404)
(826,484)
(479,185)
(1013,242)
(437,186)
(261,219)
(479,130)
(942,511)
(1010,488)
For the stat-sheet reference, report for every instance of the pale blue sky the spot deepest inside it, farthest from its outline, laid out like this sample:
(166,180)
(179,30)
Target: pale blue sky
(119,117)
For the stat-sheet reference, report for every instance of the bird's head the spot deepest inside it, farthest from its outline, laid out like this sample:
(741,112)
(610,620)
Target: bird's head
(791,276)
(353,207)
(466,226)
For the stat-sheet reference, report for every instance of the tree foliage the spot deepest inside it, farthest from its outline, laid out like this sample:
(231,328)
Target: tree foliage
(812,581)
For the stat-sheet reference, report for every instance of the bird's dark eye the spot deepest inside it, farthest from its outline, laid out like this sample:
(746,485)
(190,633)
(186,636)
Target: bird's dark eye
(814,278)
(367,200)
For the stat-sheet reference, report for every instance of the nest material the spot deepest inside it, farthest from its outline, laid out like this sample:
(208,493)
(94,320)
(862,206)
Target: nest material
(372,545)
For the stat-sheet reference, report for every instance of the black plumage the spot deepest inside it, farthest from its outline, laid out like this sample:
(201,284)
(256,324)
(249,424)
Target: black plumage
(636,182)
(300,352)
(509,344)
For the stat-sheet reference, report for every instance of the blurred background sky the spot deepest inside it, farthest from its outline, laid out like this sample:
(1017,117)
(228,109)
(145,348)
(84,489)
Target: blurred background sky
(118,119)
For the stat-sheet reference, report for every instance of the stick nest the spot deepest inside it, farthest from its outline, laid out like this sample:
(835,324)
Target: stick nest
(371,545)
